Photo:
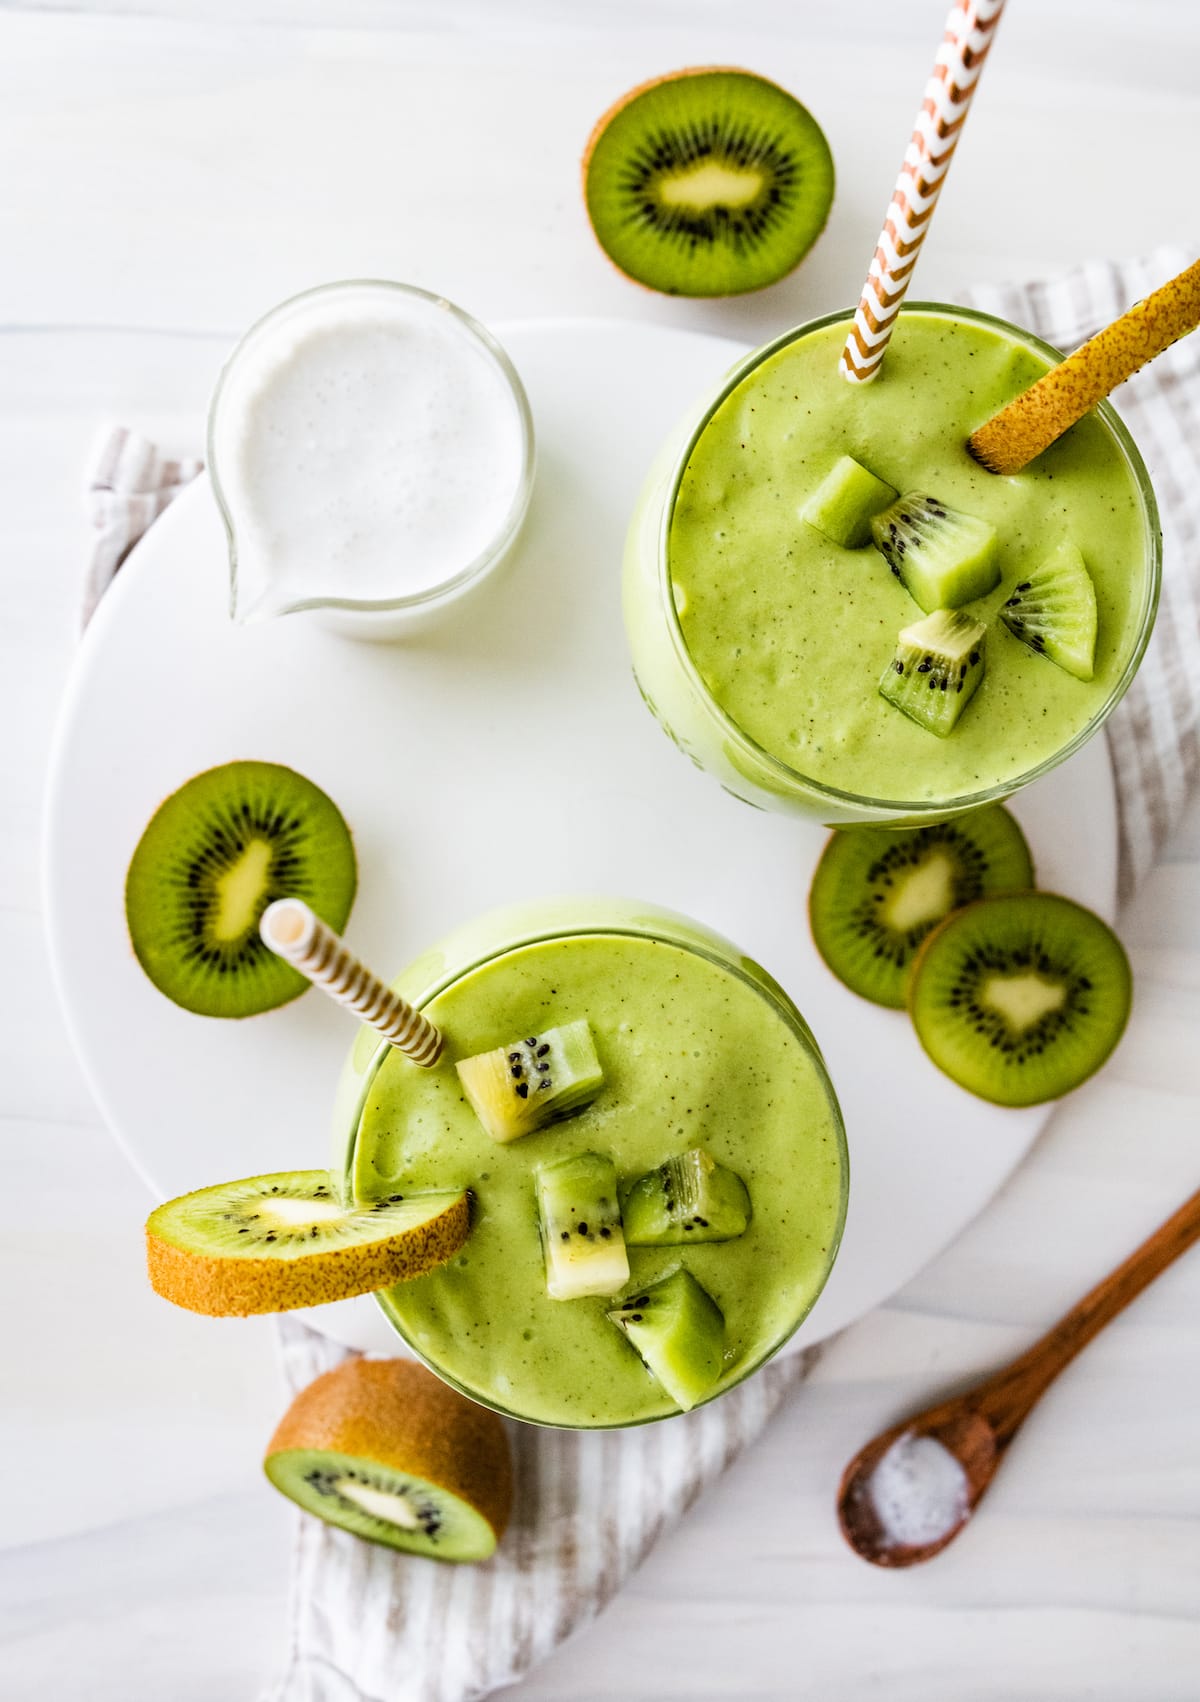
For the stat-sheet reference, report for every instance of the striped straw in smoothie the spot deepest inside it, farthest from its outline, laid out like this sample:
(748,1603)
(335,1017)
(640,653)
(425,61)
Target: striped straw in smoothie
(969,31)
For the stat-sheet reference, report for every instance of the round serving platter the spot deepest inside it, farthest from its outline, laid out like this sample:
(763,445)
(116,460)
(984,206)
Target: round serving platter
(505,756)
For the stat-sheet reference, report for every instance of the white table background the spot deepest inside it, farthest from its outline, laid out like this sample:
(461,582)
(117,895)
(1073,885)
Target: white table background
(168,169)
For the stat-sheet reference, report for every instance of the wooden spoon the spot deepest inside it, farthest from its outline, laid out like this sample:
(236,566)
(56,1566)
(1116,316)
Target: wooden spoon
(978,1426)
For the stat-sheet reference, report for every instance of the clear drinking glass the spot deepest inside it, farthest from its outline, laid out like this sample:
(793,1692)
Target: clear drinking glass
(456,958)
(687,711)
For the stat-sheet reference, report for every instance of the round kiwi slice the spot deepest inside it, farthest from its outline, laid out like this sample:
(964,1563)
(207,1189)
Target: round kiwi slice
(272,1243)
(878,894)
(216,853)
(1020,998)
(384,1449)
(708,182)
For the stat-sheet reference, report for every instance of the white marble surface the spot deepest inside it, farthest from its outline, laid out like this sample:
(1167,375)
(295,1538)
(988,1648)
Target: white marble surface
(165,176)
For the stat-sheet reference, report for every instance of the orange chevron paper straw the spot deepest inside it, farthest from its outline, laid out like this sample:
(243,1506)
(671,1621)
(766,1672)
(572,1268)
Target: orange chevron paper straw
(295,933)
(969,31)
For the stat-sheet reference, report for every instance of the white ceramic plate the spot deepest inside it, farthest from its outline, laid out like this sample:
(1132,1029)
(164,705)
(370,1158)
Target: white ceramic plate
(506,757)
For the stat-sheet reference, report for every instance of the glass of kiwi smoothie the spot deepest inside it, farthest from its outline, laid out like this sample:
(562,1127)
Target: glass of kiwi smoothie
(654,1149)
(834,610)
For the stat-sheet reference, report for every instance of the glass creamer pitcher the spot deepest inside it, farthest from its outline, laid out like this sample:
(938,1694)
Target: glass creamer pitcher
(371,451)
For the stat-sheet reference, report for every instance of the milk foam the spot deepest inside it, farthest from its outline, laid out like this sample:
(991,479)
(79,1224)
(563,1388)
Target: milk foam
(367,446)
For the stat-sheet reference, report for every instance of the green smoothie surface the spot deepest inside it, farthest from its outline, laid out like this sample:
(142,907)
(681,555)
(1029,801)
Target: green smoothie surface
(791,633)
(693,1055)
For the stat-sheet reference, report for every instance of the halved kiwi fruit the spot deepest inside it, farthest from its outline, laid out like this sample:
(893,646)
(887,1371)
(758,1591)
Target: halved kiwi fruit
(876,894)
(1020,998)
(382,1448)
(708,182)
(272,1243)
(215,854)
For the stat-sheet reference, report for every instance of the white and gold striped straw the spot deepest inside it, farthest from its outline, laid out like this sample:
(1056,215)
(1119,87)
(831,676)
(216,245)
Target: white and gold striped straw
(299,936)
(969,31)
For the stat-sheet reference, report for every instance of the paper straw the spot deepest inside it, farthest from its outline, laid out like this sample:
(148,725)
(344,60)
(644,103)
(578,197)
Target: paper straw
(969,31)
(294,933)
(1038,416)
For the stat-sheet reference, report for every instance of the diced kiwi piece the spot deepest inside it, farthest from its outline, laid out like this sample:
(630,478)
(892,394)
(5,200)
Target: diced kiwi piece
(936,669)
(943,557)
(385,1450)
(878,893)
(845,501)
(688,1198)
(528,1083)
(1019,998)
(1053,610)
(677,1328)
(272,1243)
(215,854)
(580,1218)
(707,182)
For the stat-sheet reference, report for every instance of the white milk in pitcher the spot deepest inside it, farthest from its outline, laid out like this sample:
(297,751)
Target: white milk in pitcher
(368,446)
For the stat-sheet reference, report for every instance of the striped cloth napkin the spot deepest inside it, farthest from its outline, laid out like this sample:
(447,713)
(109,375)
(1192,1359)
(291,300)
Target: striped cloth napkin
(368,1626)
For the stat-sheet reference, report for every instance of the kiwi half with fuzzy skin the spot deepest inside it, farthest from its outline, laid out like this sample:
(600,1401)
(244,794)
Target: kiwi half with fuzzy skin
(876,894)
(272,1243)
(215,854)
(382,1448)
(1022,997)
(708,182)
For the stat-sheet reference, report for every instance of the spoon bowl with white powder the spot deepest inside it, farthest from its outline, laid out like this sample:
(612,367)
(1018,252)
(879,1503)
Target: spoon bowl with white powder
(909,1492)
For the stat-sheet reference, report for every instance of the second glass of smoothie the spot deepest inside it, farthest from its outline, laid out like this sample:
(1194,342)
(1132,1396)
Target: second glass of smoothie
(759,644)
(700,1049)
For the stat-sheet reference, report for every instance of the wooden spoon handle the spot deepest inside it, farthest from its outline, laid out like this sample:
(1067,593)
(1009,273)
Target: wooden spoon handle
(1012,438)
(1008,1397)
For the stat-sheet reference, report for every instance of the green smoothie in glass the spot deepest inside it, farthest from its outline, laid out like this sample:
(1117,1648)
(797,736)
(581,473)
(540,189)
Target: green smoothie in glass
(760,643)
(700,1051)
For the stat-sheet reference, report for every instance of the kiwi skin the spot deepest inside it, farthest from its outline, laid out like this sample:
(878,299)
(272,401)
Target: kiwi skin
(630,95)
(953,920)
(397,1415)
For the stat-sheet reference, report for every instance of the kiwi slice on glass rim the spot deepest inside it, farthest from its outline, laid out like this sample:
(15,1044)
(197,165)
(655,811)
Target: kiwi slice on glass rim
(272,1243)
(1020,998)
(215,854)
(383,1449)
(708,182)
(877,894)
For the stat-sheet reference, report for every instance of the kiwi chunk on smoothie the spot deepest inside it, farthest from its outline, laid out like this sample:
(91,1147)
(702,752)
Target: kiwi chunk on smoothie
(1053,610)
(580,1218)
(936,669)
(845,502)
(688,1198)
(215,854)
(878,893)
(677,1329)
(272,1243)
(707,182)
(944,558)
(525,1084)
(385,1450)
(1020,998)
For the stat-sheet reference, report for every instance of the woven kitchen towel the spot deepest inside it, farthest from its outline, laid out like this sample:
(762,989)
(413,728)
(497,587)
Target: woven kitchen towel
(367,1626)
